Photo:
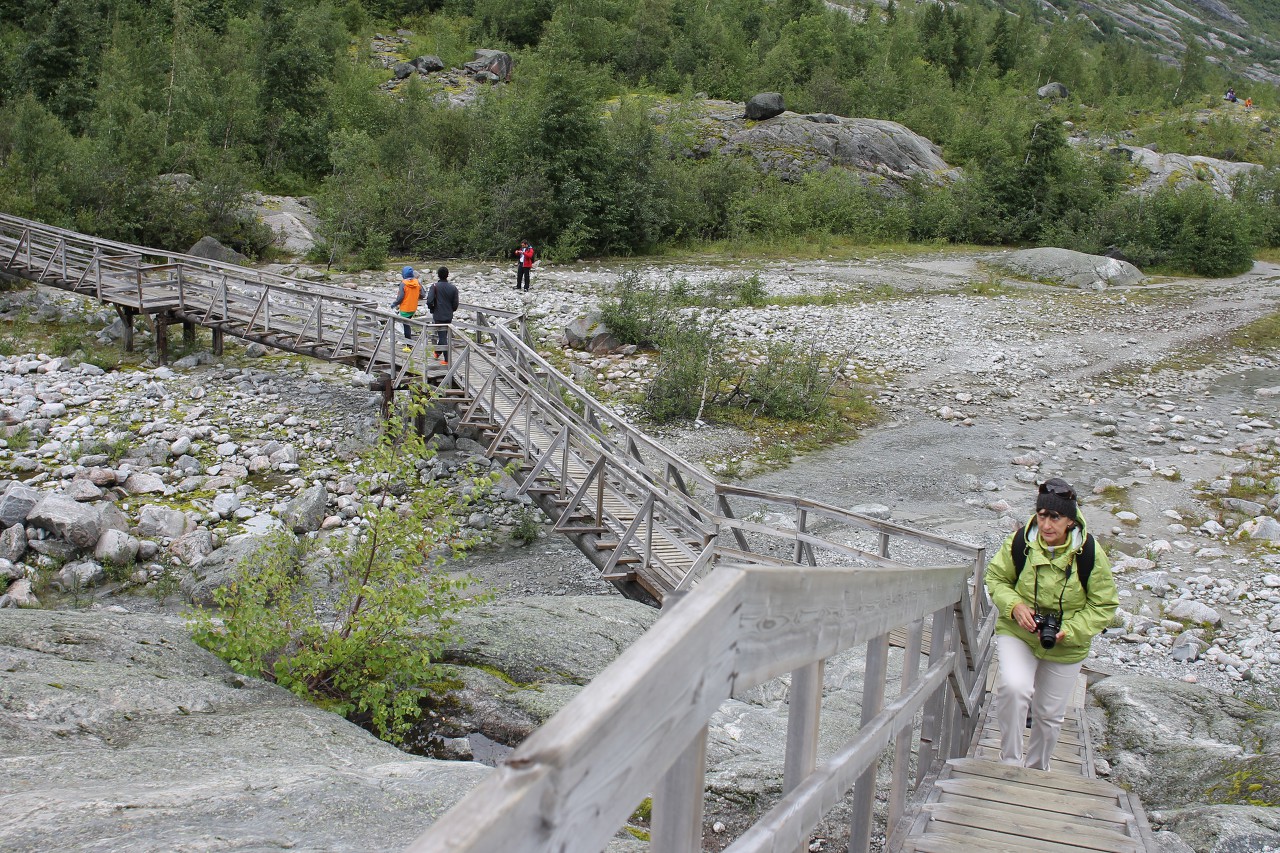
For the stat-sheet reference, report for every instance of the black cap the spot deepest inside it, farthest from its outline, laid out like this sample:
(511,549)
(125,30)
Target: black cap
(1057,495)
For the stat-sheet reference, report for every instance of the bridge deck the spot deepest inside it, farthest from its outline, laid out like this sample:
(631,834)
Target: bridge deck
(977,803)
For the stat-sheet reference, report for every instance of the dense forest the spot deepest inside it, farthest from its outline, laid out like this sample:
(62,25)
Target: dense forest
(585,151)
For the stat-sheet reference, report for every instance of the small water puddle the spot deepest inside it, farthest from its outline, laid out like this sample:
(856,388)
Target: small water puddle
(488,751)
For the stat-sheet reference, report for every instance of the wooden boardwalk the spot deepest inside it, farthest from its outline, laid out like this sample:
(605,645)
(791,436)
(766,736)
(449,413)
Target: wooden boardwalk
(795,582)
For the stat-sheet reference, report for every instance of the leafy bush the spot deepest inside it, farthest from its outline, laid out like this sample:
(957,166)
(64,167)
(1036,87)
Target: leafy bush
(373,656)
(637,312)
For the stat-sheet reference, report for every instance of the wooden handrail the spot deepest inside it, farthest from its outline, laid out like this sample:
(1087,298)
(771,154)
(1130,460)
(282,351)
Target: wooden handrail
(575,780)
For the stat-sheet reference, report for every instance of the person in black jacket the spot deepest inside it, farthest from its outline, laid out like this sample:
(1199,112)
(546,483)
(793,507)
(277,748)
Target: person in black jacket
(442,301)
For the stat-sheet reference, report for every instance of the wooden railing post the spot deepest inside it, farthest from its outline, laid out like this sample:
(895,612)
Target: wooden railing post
(903,737)
(804,709)
(677,803)
(932,724)
(864,790)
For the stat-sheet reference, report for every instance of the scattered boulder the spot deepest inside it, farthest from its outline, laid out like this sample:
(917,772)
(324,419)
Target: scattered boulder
(218,568)
(306,512)
(1053,90)
(13,543)
(193,547)
(885,153)
(1064,266)
(75,523)
(590,333)
(142,483)
(116,548)
(401,70)
(427,64)
(765,105)
(17,502)
(1196,612)
(210,249)
(75,576)
(493,66)
(157,522)
(19,594)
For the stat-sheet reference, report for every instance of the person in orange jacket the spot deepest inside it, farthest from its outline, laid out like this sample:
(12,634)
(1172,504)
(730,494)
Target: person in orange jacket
(406,303)
(524,264)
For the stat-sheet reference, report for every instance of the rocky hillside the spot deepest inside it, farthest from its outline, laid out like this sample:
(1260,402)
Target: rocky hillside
(1243,36)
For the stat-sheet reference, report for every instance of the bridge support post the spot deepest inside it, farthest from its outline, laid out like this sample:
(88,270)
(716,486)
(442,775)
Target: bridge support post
(161,321)
(188,333)
(388,394)
(217,341)
(126,318)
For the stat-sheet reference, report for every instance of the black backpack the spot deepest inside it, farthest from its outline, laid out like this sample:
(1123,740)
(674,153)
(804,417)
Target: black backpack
(1084,560)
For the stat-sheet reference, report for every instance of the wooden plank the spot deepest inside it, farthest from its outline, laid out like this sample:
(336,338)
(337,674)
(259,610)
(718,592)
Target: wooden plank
(962,767)
(1049,800)
(994,841)
(1015,810)
(1030,823)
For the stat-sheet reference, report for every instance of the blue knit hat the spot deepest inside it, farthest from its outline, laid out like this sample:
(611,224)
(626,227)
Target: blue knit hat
(407,272)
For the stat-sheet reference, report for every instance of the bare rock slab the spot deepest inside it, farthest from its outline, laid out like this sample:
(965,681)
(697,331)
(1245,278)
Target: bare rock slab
(1075,269)
(123,735)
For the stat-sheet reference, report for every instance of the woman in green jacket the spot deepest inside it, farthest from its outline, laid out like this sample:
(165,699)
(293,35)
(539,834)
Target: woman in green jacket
(1053,587)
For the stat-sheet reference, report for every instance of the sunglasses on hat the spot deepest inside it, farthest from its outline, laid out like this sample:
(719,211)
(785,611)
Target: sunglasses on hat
(1059,488)
(1049,515)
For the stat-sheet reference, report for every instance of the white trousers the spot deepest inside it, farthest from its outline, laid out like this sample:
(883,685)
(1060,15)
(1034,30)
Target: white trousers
(1045,687)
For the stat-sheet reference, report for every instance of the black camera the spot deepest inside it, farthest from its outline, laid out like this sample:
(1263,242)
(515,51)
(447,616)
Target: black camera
(1047,626)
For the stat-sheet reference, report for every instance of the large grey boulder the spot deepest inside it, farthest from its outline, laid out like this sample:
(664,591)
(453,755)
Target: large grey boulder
(1052,90)
(550,639)
(13,543)
(884,153)
(218,569)
(75,523)
(1064,266)
(209,248)
(306,512)
(427,64)
(116,548)
(1182,170)
(16,502)
(193,547)
(492,66)
(765,105)
(291,219)
(1224,829)
(158,522)
(1178,744)
(590,333)
(121,734)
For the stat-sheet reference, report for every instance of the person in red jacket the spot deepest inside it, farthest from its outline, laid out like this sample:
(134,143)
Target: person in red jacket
(524,264)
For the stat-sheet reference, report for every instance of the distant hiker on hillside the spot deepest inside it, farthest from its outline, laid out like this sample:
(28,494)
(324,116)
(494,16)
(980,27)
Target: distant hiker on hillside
(406,303)
(1231,95)
(1248,103)
(442,301)
(524,264)
(1052,585)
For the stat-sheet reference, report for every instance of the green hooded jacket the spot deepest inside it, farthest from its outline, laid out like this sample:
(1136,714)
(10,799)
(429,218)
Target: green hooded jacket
(1084,616)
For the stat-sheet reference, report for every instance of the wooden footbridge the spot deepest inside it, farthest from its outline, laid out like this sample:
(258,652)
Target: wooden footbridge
(754,586)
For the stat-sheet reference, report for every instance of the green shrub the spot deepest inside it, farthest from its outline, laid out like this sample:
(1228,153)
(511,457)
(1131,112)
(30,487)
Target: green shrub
(637,312)
(375,657)
(527,526)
